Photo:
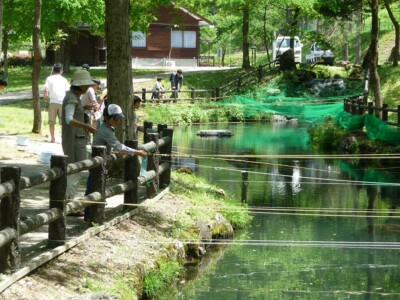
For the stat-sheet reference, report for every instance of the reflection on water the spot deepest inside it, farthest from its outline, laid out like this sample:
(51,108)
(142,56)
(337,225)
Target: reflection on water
(315,236)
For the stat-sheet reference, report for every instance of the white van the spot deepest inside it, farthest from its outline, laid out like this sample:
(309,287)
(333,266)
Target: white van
(282,44)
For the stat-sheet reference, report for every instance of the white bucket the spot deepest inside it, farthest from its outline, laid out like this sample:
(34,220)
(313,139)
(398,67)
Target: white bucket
(45,156)
(22,140)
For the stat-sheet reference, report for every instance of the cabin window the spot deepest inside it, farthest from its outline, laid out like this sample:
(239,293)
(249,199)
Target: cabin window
(183,39)
(138,39)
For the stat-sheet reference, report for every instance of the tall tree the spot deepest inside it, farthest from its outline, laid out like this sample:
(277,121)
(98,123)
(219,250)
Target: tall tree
(37,58)
(119,61)
(373,54)
(359,30)
(1,23)
(396,48)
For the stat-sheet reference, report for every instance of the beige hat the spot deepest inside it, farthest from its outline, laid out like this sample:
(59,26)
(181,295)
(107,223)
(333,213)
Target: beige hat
(82,78)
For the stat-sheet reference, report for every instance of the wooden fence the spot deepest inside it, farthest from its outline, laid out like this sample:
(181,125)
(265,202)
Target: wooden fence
(237,85)
(359,105)
(158,144)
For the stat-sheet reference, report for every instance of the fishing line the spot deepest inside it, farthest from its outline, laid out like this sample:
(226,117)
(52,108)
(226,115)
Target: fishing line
(311,182)
(275,243)
(294,156)
(255,210)
(308,177)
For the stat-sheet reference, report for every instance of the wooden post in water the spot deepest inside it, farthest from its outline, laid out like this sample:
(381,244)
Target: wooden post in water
(58,188)
(98,184)
(245,177)
(10,254)
(131,173)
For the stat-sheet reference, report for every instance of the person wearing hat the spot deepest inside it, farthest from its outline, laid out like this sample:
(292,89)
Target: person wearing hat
(74,127)
(158,90)
(105,136)
(176,82)
(55,89)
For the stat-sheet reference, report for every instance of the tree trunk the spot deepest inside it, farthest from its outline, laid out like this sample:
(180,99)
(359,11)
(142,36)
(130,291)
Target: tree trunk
(345,45)
(245,32)
(265,35)
(358,38)
(64,53)
(373,63)
(37,63)
(119,62)
(397,33)
(5,54)
(1,23)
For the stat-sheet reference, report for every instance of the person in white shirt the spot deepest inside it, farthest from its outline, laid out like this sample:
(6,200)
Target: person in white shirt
(90,104)
(55,89)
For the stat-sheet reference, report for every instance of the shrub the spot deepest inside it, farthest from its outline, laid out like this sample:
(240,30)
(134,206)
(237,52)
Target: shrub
(20,60)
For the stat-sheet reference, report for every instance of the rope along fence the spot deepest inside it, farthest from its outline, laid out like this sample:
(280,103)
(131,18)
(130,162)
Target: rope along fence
(158,145)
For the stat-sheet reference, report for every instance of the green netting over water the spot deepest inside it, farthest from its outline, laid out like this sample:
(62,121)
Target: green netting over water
(313,109)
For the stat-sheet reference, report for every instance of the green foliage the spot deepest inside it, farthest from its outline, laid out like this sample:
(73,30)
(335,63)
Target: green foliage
(158,281)
(328,136)
(202,193)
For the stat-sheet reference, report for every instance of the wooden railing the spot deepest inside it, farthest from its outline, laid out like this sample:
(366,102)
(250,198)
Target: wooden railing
(158,144)
(359,105)
(236,85)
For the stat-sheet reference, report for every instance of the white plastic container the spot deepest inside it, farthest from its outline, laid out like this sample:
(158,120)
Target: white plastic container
(22,140)
(45,156)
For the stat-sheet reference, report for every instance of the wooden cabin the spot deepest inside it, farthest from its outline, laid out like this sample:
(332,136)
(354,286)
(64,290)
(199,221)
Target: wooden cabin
(173,39)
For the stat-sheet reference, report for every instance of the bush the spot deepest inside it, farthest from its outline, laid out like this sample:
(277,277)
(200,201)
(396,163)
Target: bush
(20,60)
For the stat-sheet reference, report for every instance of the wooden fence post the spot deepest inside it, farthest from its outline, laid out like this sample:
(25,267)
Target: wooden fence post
(152,165)
(385,112)
(131,173)
(398,115)
(58,187)
(192,94)
(245,177)
(217,93)
(353,107)
(346,105)
(146,126)
(260,73)
(10,254)
(143,95)
(160,128)
(165,178)
(97,182)
(370,108)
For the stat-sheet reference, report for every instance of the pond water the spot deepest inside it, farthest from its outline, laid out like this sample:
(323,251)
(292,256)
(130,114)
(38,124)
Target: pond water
(318,232)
